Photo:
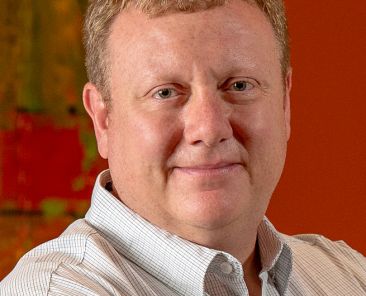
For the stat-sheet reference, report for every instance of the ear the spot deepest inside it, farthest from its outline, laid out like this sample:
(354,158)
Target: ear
(97,110)
(287,105)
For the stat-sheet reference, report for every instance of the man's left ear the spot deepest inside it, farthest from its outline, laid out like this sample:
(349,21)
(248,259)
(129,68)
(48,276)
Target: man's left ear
(97,110)
(286,102)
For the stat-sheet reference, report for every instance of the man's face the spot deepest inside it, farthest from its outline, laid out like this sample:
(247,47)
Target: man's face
(196,135)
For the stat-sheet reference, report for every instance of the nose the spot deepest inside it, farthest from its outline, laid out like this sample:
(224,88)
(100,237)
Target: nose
(207,120)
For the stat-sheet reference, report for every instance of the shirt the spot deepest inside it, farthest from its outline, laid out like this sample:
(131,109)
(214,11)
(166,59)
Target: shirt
(114,251)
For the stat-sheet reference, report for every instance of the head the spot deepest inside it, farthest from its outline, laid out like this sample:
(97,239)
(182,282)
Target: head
(197,118)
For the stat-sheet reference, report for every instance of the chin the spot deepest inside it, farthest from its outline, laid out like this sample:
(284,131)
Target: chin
(213,210)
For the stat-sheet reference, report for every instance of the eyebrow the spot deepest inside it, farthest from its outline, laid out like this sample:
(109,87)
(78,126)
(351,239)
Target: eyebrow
(235,66)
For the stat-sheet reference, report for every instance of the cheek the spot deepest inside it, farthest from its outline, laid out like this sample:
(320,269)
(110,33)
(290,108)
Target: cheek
(266,123)
(144,138)
(159,135)
(265,139)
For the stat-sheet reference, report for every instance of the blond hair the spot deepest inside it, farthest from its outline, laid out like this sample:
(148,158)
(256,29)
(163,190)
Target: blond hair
(101,13)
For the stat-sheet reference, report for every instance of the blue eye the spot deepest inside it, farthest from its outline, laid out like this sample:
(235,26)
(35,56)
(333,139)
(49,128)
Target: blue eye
(165,93)
(241,85)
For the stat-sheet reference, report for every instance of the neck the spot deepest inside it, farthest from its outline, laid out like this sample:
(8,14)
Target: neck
(252,267)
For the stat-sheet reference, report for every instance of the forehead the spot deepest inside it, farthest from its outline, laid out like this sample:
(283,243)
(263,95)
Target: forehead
(229,34)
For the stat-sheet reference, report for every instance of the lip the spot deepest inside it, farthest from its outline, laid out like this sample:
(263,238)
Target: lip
(209,170)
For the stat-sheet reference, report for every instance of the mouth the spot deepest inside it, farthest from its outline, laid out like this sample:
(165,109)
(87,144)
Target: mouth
(209,170)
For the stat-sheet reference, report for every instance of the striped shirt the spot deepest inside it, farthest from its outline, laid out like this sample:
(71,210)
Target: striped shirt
(113,251)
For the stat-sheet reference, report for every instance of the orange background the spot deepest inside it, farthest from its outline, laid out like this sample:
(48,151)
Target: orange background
(323,188)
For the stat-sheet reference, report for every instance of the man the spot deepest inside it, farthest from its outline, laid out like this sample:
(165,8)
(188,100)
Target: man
(190,102)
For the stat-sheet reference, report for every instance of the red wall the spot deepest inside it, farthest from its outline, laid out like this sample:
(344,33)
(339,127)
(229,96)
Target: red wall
(323,189)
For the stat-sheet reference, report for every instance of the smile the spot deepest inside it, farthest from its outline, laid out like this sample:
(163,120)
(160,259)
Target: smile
(210,170)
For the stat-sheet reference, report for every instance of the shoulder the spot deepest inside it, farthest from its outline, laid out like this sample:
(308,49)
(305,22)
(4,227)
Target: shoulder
(33,273)
(315,245)
(320,262)
(83,262)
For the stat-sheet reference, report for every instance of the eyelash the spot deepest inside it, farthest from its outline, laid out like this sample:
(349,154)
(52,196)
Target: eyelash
(176,93)
(247,84)
(155,94)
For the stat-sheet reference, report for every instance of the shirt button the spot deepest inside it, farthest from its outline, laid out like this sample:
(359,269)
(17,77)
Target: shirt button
(226,268)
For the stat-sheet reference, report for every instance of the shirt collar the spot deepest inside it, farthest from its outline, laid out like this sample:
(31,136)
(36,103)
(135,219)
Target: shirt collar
(180,264)
(275,254)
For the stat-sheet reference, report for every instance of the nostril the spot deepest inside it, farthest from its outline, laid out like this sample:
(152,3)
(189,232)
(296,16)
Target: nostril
(207,122)
(209,141)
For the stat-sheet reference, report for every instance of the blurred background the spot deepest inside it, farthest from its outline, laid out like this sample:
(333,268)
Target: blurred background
(48,156)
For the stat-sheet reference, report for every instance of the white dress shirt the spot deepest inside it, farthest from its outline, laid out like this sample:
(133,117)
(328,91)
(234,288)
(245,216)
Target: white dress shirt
(113,251)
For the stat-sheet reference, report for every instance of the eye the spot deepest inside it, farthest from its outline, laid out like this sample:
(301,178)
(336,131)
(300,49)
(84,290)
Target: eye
(165,93)
(241,85)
